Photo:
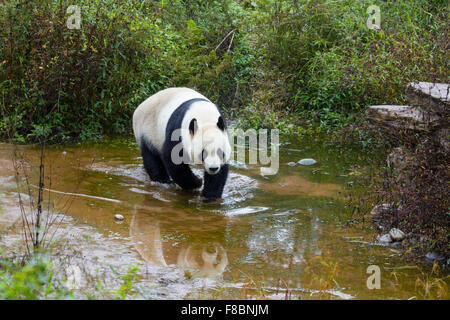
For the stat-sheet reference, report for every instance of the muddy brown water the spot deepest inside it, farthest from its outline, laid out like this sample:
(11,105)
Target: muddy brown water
(269,237)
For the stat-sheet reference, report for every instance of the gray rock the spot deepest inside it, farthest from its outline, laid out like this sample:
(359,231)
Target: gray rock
(431,97)
(434,257)
(397,234)
(440,91)
(402,117)
(385,238)
(307,162)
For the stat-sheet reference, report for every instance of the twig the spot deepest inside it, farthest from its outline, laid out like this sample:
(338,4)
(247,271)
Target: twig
(231,32)
(231,42)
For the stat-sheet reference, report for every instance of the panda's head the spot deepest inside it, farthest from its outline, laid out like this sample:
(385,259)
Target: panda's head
(210,144)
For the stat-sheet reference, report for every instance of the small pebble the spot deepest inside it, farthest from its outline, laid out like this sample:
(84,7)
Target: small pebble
(291,164)
(119,217)
(307,162)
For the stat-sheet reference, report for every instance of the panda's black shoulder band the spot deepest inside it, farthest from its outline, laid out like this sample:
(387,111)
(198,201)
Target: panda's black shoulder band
(177,116)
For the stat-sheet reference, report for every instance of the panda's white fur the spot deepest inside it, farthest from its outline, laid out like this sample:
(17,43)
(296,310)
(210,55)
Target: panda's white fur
(151,119)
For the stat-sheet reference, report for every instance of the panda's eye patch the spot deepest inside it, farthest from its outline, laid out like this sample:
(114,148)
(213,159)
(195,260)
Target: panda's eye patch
(204,155)
(220,154)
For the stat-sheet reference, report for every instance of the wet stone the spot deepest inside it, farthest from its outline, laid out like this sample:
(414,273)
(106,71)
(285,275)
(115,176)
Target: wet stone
(119,217)
(307,162)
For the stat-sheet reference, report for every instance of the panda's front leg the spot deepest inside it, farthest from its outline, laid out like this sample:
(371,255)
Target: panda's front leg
(214,183)
(183,176)
(180,173)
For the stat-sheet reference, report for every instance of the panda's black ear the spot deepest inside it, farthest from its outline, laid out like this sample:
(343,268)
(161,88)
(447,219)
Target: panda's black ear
(193,126)
(221,123)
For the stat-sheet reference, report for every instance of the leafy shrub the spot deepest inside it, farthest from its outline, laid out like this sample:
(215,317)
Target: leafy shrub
(320,55)
(87,82)
(28,280)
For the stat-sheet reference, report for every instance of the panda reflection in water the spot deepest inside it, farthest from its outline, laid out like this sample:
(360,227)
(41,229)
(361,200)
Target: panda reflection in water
(177,127)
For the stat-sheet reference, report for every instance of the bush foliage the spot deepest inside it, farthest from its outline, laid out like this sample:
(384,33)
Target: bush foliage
(81,83)
(321,56)
(265,62)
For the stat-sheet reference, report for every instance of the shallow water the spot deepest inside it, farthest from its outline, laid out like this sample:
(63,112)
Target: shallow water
(270,237)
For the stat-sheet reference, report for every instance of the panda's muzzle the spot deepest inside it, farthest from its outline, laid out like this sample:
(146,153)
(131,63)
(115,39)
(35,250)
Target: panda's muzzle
(214,169)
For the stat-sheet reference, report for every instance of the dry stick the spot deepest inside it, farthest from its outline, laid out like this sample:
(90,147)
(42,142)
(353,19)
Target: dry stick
(50,220)
(49,213)
(40,197)
(288,292)
(278,285)
(231,41)
(232,31)
(25,223)
(30,196)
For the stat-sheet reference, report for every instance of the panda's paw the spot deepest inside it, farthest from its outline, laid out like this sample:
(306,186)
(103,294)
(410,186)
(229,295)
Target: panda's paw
(210,200)
(210,196)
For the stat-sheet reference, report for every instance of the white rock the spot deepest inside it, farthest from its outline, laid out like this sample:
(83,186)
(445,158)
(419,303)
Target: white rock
(291,164)
(436,90)
(397,234)
(385,238)
(307,162)
(119,217)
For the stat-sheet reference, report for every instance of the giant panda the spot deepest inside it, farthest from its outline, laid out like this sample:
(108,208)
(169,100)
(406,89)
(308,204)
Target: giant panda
(180,123)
